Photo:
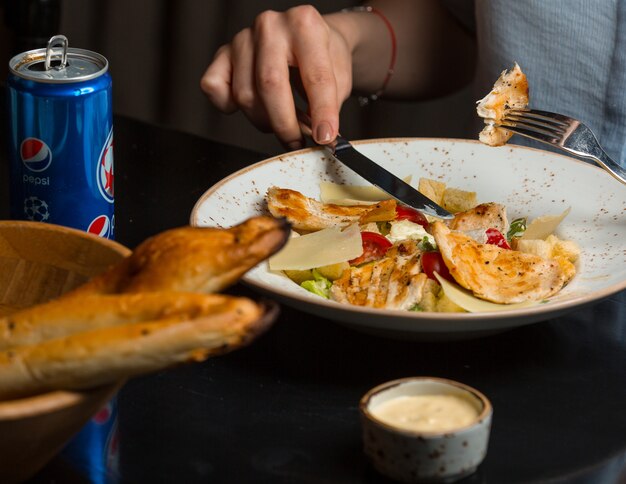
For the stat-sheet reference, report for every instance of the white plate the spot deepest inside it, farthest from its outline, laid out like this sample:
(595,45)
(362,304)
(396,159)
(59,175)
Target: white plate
(529,182)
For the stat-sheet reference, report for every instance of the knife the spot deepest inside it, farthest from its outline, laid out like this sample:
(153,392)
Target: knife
(345,153)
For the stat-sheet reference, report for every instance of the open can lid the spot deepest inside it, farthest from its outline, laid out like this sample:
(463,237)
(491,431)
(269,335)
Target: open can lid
(58,65)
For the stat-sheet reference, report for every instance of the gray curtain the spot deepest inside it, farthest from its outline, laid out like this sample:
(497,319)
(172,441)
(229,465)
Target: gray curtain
(158,49)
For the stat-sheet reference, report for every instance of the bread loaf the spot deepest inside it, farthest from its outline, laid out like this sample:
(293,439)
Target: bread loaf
(58,318)
(146,313)
(103,355)
(192,259)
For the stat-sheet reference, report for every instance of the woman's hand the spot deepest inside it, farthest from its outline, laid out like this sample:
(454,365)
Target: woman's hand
(252,74)
(332,55)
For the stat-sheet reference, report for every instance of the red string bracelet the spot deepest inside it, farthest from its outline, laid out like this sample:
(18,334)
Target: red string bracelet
(364,100)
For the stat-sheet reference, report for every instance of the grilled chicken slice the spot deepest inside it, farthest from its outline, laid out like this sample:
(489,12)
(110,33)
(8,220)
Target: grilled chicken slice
(475,221)
(393,282)
(307,214)
(509,92)
(499,275)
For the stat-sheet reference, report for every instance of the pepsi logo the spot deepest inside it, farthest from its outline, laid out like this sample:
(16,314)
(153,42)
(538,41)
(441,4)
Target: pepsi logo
(100,226)
(104,170)
(35,154)
(103,415)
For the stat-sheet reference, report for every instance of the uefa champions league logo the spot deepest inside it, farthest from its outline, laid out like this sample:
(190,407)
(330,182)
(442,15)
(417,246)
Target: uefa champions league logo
(36,209)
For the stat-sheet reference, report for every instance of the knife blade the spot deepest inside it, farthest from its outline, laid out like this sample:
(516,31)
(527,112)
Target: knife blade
(385,180)
(343,151)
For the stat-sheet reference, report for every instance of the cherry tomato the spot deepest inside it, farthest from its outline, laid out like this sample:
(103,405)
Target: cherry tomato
(404,212)
(433,262)
(496,238)
(375,246)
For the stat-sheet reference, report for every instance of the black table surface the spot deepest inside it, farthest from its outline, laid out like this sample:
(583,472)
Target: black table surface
(285,409)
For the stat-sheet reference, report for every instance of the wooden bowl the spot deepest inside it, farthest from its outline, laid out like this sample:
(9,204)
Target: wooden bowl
(39,262)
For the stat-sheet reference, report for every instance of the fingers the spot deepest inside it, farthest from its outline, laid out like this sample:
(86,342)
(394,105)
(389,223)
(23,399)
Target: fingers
(216,81)
(272,77)
(244,89)
(252,74)
(316,71)
(229,81)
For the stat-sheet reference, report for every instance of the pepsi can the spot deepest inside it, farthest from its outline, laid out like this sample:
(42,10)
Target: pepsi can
(61,137)
(94,451)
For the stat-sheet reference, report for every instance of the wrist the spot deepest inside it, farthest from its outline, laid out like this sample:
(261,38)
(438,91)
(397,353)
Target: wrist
(347,26)
(370,38)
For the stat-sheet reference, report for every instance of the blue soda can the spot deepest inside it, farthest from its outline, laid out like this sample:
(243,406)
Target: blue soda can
(61,137)
(94,451)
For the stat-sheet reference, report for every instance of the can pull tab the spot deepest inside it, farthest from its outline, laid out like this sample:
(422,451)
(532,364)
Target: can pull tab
(57,40)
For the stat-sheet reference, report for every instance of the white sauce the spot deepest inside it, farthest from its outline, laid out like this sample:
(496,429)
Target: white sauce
(426,413)
(405,229)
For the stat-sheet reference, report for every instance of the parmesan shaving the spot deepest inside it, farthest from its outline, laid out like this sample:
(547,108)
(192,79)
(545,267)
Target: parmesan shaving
(331,192)
(351,202)
(317,249)
(465,299)
(543,226)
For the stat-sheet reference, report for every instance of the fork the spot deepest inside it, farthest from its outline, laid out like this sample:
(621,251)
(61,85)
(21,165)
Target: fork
(562,132)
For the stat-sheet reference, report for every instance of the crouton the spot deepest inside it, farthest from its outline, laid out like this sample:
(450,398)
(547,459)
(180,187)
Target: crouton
(430,296)
(538,247)
(432,189)
(564,248)
(455,200)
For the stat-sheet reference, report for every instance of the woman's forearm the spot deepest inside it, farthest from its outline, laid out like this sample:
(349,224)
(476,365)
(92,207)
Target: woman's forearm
(435,55)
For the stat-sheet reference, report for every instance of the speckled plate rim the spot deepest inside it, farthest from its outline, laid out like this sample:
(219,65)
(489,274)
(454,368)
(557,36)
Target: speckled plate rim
(403,321)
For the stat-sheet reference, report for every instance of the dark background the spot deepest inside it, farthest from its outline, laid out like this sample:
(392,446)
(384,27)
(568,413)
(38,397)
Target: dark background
(158,50)
(285,408)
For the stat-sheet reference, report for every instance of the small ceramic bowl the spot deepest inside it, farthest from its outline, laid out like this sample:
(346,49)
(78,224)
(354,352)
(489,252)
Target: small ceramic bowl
(426,454)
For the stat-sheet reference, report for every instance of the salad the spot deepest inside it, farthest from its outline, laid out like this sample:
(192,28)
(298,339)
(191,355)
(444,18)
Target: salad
(355,246)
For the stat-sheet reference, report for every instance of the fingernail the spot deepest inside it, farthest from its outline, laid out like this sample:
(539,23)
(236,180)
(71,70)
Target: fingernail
(323,133)
(294,145)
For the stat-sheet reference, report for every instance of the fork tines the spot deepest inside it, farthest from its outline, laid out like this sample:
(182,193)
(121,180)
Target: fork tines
(563,132)
(533,123)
